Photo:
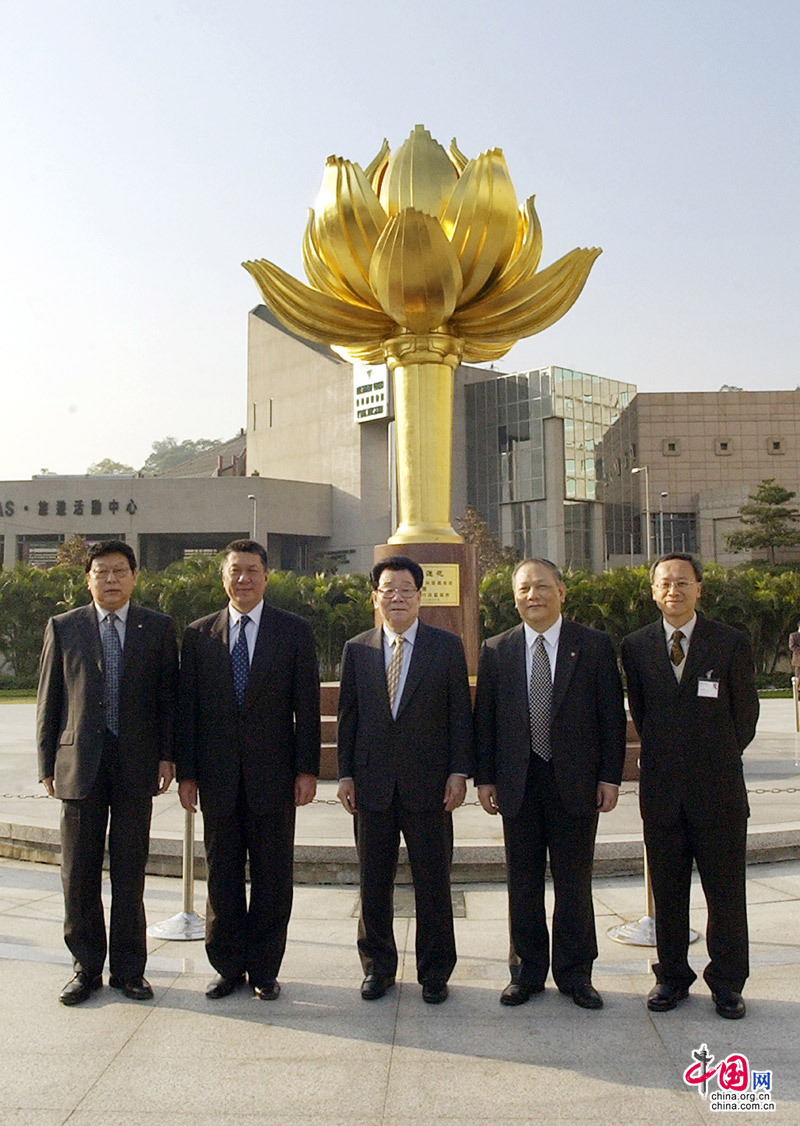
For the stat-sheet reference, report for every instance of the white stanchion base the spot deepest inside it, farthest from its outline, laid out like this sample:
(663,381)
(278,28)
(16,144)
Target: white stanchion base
(183,927)
(640,933)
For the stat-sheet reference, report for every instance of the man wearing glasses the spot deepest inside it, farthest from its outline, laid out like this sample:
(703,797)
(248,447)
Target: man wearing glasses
(692,696)
(404,758)
(104,716)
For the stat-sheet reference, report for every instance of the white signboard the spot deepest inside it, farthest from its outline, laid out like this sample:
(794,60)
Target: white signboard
(370,392)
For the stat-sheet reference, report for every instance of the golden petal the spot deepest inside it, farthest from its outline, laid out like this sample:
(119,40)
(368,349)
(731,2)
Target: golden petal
(415,274)
(317,269)
(478,353)
(530,306)
(419,175)
(524,261)
(481,221)
(457,157)
(377,166)
(348,222)
(317,316)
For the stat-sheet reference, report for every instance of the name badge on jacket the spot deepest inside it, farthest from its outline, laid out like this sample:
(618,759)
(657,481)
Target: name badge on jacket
(708,687)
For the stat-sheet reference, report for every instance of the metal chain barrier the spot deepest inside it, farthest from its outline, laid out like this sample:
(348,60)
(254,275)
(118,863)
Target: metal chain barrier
(335,801)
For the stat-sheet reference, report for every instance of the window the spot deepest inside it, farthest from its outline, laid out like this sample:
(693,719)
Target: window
(774,446)
(723,447)
(671,447)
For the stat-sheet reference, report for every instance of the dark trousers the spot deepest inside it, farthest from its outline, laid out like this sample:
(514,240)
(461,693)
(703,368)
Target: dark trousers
(83,833)
(429,840)
(544,826)
(719,851)
(240,938)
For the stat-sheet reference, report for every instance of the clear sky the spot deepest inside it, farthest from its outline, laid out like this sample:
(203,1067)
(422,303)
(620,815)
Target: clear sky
(149,148)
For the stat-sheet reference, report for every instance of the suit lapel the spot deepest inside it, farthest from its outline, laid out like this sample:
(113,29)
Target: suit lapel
(90,636)
(421,654)
(262,656)
(517,673)
(376,669)
(698,660)
(221,649)
(566,662)
(659,657)
(134,641)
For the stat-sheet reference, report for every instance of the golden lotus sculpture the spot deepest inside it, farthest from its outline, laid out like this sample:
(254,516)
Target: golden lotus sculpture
(420,261)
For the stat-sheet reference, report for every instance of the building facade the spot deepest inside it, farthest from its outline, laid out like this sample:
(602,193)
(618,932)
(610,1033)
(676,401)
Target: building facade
(692,458)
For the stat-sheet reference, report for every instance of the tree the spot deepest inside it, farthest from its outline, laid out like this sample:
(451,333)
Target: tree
(110,468)
(771,522)
(491,553)
(73,552)
(167,453)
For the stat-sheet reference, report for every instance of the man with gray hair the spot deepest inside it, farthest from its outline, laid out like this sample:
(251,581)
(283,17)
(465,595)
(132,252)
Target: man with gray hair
(549,748)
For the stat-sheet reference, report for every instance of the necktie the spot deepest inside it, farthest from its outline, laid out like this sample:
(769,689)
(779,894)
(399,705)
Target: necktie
(393,670)
(540,701)
(676,653)
(240,661)
(112,664)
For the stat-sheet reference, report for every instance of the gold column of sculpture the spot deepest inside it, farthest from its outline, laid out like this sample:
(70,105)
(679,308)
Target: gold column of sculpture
(419,261)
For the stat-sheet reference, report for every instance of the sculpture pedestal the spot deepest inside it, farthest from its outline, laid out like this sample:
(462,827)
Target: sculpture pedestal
(450,593)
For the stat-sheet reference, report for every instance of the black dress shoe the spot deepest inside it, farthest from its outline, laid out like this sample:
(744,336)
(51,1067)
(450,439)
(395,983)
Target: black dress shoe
(373,987)
(220,986)
(663,997)
(729,1004)
(269,991)
(584,994)
(80,989)
(517,993)
(137,988)
(434,992)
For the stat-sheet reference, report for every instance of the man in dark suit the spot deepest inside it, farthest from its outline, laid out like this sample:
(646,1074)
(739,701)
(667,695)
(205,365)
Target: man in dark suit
(404,757)
(104,728)
(550,747)
(692,696)
(249,740)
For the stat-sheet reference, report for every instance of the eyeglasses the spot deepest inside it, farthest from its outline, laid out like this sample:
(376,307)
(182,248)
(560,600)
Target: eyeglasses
(405,592)
(679,584)
(112,573)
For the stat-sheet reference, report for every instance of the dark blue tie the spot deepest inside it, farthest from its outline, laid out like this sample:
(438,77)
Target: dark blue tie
(240,662)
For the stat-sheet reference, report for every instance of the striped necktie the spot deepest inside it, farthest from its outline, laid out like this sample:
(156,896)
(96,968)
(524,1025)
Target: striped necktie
(393,670)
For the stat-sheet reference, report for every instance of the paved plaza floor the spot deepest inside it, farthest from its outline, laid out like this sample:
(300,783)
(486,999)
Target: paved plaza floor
(319,1054)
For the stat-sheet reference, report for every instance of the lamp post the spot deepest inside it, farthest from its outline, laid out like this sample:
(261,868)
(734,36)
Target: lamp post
(255,509)
(661,520)
(645,469)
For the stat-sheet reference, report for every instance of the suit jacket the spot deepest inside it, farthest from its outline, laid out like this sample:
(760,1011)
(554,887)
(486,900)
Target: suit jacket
(587,729)
(691,745)
(430,737)
(70,724)
(275,737)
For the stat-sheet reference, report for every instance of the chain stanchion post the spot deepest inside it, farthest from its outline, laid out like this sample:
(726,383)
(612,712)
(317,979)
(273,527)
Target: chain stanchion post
(186,926)
(643,931)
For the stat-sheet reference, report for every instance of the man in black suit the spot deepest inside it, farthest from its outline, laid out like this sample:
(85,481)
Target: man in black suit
(692,696)
(550,747)
(404,757)
(249,740)
(104,728)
